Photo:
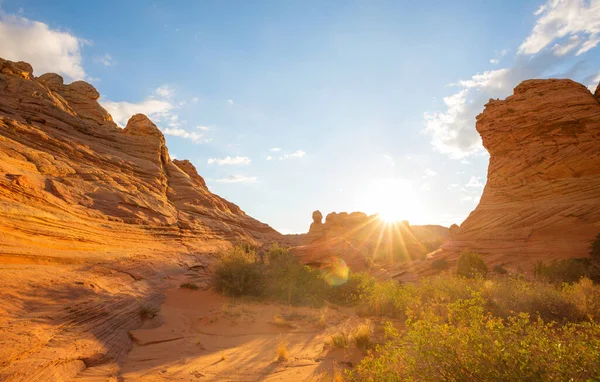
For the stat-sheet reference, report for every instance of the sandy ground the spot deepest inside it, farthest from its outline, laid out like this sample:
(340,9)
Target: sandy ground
(202,336)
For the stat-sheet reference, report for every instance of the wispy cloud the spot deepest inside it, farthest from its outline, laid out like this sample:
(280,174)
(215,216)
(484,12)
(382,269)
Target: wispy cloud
(238,179)
(565,18)
(165,91)
(295,154)
(230,161)
(182,133)
(159,107)
(275,149)
(268,157)
(105,60)
(122,111)
(230,101)
(203,128)
(46,49)
(453,131)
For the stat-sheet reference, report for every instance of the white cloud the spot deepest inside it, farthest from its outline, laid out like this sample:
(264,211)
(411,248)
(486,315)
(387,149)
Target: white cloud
(105,60)
(572,43)
(203,128)
(195,100)
(122,111)
(182,133)
(46,49)
(275,149)
(237,179)
(453,131)
(564,18)
(165,91)
(475,182)
(268,157)
(494,61)
(295,154)
(230,101)
(230,160)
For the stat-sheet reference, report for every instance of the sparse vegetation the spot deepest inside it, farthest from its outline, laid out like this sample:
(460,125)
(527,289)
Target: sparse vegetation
(190,286)
(280,276)
(471,265)
(439,264)
(500,270)
(465,326)
(147,313)
(282,350)
(362,336)
(340,340)
(562,271)
(281,322)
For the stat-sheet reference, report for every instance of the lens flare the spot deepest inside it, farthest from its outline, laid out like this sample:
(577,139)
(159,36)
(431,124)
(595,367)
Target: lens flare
(335,272)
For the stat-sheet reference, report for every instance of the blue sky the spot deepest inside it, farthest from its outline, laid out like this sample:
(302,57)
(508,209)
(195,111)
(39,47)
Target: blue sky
(290,106)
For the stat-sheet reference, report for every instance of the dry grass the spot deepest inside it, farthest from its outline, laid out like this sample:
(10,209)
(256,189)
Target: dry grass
(282,350)
(190,286)
(362,336)
(340,340)
(281,322)
(321,319)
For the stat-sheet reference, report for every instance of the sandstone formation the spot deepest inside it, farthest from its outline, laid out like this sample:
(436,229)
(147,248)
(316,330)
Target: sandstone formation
(542,197)
(92,219)
(366,243)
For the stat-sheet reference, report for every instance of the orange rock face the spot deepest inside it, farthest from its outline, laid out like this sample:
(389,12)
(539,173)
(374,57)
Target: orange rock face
(93,221)
(366,243)
(542,197)
(70,173)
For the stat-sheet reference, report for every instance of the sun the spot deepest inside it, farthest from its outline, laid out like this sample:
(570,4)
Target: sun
(392,199)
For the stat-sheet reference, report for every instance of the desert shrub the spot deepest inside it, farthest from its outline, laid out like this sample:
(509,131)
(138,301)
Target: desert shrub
(340,340)
(471,265)
(500,270)
(240,273)
(439,264)
(562,271)
(362,336)
(506,296)
(146,312)
(475,346)
(595,249)
(290,281)
(190,286)
(359,286)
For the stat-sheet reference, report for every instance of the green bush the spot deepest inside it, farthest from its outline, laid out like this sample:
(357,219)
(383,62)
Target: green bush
(475,346)
(499,269)
(471,265)
(563,270)
(439,264)
(240,273)
(595,249)
(359,286)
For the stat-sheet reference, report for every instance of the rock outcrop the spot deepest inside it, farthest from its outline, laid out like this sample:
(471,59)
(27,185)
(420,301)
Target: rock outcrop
(93,219)
(366,243)
(542,197)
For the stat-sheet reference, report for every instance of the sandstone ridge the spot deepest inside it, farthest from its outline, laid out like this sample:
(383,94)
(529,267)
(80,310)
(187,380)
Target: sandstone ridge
(94,220)
(542,196)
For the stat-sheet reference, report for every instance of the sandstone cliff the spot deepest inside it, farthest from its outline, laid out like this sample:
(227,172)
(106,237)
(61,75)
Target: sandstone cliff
(366,243)
(93,221)
(542,197)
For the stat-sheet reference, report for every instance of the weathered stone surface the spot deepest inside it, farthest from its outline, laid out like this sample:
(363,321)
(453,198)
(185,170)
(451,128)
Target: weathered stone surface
(366,243)
(93,219)
(542,197)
